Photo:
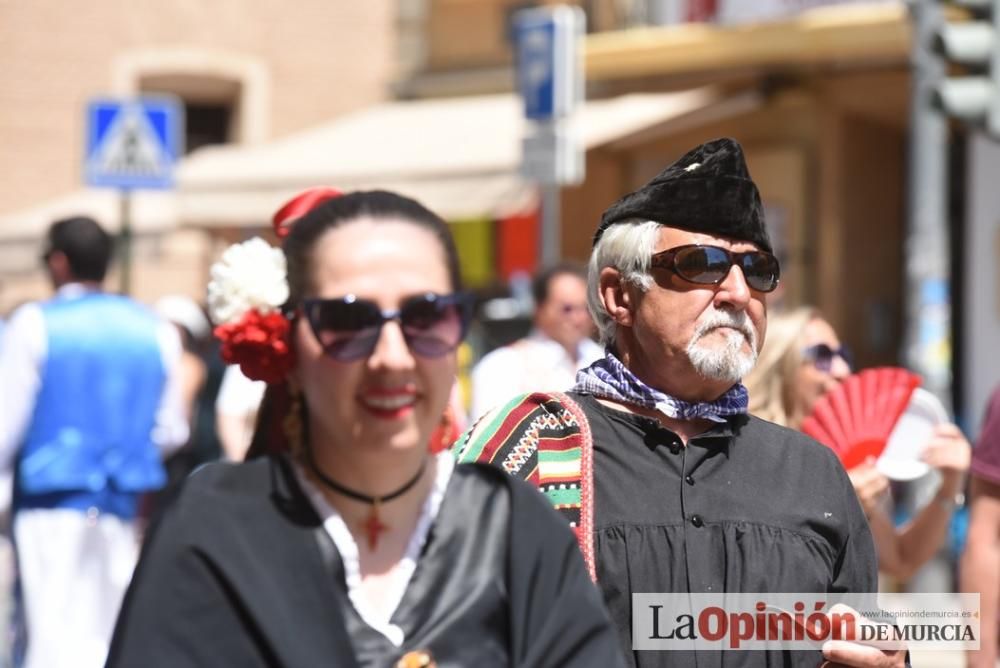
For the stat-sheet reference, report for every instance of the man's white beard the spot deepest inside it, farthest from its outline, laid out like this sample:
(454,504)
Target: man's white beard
(727,362)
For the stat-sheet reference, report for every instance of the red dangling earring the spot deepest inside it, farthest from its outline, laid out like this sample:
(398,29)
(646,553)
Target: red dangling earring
(445,433)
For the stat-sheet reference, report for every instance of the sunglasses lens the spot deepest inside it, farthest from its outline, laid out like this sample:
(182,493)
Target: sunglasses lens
(702,264)
(822,356)
(347,330)
(353,346)
(570,309)
(432,326)
(761,271)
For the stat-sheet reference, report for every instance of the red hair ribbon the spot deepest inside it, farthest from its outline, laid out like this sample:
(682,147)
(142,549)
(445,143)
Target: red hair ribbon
(300,205)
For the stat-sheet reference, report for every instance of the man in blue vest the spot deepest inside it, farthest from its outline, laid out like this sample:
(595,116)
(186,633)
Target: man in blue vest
(89,408)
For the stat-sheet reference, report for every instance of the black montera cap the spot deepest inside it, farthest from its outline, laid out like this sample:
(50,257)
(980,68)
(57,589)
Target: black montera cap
(708,190)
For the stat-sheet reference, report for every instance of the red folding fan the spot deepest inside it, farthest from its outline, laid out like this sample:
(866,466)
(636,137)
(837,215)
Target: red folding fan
(856,418)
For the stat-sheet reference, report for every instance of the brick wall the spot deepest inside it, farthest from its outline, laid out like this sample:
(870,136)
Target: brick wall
(313,59)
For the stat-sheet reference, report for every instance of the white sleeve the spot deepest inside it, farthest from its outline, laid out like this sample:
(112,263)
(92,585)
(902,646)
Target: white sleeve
(23,348)
(590,352)
(171,429)
(238,395)
(491,381)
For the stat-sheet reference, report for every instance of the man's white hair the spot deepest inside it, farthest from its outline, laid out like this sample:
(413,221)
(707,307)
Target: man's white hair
(628,247)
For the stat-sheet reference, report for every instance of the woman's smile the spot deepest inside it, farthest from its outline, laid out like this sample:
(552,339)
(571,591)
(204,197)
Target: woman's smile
(391,403)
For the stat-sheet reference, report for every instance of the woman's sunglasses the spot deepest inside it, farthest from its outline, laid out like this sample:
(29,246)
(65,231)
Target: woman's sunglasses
(822,355)
(709,265)
(348,328)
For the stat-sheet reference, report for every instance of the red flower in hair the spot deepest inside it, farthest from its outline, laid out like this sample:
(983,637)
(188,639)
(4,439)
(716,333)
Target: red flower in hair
(259,344)
(248,287)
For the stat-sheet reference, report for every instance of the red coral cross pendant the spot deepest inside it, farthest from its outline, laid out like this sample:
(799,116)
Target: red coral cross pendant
(373,527)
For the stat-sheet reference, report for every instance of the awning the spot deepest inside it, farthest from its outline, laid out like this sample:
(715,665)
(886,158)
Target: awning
(849,34)
(455,198)
(459,156)
(150,211)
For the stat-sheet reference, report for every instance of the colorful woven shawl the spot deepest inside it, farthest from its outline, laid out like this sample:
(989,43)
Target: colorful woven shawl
(543,438)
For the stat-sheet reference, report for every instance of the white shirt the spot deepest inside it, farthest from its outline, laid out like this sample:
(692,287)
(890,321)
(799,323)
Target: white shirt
(337,529)
(239,395)
(535,363)
(23,352)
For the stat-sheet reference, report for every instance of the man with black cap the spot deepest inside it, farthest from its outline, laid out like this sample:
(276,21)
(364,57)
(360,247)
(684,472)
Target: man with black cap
(669,484)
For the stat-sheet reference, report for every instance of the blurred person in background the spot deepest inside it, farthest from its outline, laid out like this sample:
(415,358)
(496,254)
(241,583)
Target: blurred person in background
(3,315)
(236,408)
(980,571)
(351,543)
(801,361)
(549,357)
(6,552)
(91,402)
(193,328)
(192,375)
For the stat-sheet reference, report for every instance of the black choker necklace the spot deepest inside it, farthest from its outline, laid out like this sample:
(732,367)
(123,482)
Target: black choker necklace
(372,526)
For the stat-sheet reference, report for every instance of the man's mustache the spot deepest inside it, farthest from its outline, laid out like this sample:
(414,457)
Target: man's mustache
(724,319)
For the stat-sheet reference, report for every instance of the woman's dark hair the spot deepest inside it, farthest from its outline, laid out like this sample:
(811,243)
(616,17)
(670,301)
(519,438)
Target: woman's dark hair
(379,205)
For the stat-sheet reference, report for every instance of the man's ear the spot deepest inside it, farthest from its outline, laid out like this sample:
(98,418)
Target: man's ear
(58,266)
(615,296)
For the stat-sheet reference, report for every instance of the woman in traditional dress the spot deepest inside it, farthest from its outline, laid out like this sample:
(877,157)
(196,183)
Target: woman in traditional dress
(801,361)
(350,542)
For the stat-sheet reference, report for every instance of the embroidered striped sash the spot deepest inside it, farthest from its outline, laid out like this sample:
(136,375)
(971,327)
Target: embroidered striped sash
(543,438)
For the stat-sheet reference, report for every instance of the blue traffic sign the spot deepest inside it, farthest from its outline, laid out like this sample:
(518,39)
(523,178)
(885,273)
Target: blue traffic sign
(549,72)
(536,63)
(133,143)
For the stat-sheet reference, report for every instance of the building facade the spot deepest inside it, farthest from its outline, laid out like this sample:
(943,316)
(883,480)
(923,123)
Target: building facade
(246,72)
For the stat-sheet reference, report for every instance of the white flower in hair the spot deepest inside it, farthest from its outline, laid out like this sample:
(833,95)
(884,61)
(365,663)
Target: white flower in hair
(250,275)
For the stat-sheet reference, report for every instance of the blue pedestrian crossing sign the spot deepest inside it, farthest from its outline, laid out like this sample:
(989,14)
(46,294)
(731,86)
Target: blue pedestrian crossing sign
(133,143)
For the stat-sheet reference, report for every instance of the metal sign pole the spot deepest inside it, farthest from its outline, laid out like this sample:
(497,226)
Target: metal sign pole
(125,240)
(550,77)
(927,338)
(550,250)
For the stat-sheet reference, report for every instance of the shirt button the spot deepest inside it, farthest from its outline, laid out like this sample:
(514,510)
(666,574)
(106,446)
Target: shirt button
(697,521)
(689,480)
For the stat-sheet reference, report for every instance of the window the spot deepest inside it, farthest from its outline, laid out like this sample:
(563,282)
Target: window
(210,105)
(206,124)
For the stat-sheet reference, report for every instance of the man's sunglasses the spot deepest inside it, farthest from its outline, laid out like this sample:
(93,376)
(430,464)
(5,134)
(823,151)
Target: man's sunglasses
(570,309)
(822,355)
(709,265)
(348,328)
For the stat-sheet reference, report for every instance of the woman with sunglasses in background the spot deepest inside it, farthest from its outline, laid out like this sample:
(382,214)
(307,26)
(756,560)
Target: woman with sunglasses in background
(802,360)
(348,541)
